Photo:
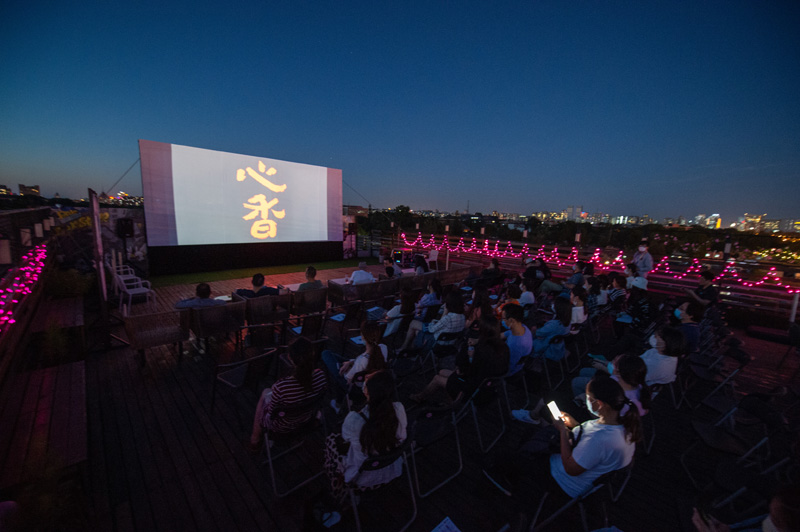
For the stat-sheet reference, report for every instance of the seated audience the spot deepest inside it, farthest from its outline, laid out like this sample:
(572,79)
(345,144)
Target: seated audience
(304,383)
(558,326)
(420,265)
(666,348)
(342,371)
(587,451)
(377,429)
(518,337)
(258,288)
(202,299)
(483,357)
(432,297)
(361,275)
(527,297)
(705,293)
(311,281)
(393,270)
(577,299)
(690,314)
(404,308)
(481,305)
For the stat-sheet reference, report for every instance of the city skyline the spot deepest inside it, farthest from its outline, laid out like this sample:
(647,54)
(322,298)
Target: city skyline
(626,108)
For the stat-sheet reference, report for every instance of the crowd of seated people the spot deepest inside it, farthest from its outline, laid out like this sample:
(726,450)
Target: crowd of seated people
(563,457)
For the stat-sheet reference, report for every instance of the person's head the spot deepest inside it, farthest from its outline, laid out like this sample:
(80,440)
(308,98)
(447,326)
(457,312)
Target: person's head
(420,262)
(674,342)
(481,300)
(435,287)
(633,371)
(578,296)
(643,245)
(379,433)
(406,300)
(387,262)
(311,273)
(618,282)
(203,291)
(606,399)
(258,281)
(513,291)
(563,310)
(362,266)
(693,310)
(631,270)
(578,266)
(371,334)
(513,314)
(389,272)
(453,303)
(588,269)
(594,285)
(706,278)
(301,357)
(603,280)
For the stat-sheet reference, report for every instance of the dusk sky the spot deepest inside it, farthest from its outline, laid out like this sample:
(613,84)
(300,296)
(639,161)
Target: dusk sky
(665,108)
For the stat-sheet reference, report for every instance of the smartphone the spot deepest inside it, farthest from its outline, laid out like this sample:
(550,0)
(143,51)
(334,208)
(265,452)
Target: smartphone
(554,411)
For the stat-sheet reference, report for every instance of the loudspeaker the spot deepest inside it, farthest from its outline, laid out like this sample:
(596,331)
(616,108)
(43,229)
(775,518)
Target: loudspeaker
(125,227)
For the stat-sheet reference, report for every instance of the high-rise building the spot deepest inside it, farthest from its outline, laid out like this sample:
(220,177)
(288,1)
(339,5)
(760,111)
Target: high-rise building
(25,190)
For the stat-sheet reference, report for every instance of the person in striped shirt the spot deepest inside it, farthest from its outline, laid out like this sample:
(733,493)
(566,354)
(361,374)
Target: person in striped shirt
(304,383)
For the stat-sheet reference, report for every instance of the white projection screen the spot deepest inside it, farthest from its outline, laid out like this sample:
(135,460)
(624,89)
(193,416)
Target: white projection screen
(194,197)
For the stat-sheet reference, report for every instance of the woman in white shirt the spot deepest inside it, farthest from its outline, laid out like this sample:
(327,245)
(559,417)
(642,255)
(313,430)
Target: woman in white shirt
(586,450)
(377,429)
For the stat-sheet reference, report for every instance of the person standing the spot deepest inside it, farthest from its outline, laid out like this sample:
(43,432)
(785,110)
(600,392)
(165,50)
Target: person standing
(643,259)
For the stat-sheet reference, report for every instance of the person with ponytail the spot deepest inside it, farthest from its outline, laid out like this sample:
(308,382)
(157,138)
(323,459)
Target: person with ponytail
(304,383)
(586,451)
(342,371)
(377,429)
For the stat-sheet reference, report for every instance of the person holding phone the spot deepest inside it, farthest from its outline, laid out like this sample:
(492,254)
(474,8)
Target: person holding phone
(586,451)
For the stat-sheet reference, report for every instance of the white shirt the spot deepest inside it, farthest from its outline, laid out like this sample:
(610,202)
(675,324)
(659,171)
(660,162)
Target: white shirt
(578,315)
(351,431)
(660,368)
(526,298)
(601,449)
(361,277)
(361,361)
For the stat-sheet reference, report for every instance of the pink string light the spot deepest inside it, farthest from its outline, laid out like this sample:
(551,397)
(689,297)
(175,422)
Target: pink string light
(770,280)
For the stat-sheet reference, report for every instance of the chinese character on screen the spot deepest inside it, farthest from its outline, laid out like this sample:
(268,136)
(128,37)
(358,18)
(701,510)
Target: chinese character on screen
(263,227)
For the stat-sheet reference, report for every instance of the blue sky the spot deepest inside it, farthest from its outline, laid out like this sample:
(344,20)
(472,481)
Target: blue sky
(663,108)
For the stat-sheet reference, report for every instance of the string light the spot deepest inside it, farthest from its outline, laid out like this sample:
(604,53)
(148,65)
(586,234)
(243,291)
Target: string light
(618,263)
(13,292)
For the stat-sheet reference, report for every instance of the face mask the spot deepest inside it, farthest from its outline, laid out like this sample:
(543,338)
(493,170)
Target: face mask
(678,314)
(590,409)
(768,526)
(653,340)
(642,249)
(610,368)
(504,324)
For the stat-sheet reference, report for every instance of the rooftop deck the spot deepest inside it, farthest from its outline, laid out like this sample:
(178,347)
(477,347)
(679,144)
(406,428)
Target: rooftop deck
(161,458)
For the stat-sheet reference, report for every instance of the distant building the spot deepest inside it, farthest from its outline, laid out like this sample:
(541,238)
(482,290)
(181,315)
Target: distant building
(4,190)
(25,190)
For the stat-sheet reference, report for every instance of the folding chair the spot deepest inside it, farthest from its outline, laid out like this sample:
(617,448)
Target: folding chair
(240,373)
(488,387)
(715,374)
(310,301)
(310,409)
(311,326)
(744,432)
(512,378)
(376,463)
(152,330)
(446,344)
(429,427)
(221,320)
(615,481)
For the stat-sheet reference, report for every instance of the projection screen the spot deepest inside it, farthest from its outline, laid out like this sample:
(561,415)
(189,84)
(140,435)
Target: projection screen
(194,196)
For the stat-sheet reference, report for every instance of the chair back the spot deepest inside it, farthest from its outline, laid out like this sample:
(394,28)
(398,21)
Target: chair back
(220,319)
(151,330)
(312,326)
(267,309)
(304,410)
(430,425)
(379,461)
(310,301)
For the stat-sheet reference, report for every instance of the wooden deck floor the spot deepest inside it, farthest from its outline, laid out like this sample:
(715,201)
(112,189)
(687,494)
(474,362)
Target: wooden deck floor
(161,458)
